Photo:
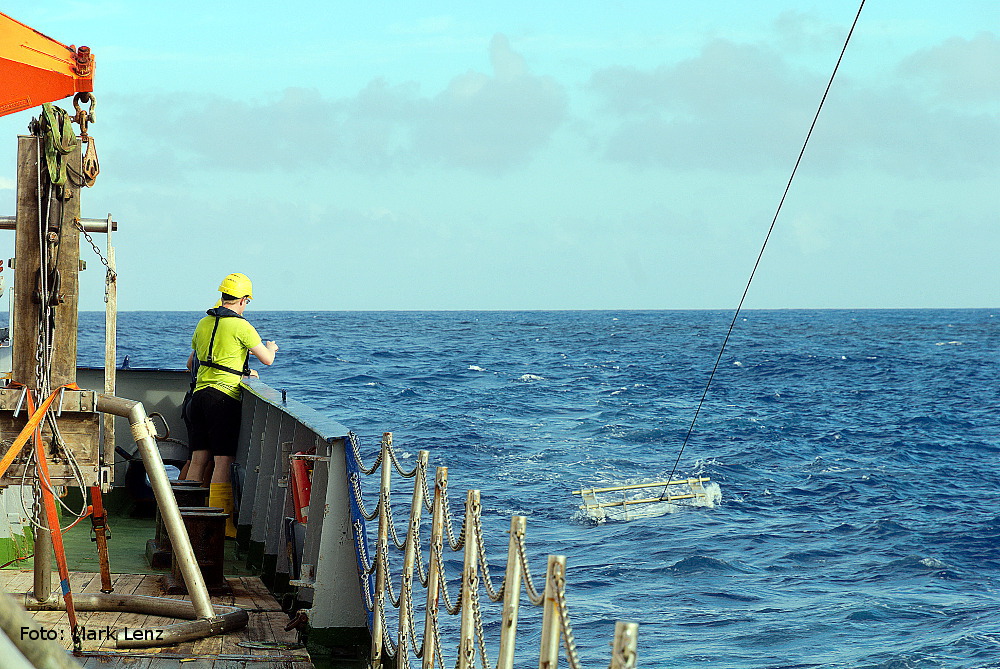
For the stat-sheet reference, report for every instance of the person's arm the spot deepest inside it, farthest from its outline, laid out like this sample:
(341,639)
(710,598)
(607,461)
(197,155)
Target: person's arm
(190,362)
(265,351)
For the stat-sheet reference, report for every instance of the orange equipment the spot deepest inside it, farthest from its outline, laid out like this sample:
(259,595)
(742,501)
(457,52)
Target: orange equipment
(301,486)
(35,69)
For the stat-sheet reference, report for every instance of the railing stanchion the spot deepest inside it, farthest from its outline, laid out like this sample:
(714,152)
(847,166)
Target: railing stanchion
(409,558)
(511,595)
(548,656)
(623,652)
(433,575)
(470,583)
(382,552)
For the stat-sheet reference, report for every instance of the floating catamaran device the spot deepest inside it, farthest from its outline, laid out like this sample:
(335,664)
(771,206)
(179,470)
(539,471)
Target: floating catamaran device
(628,502)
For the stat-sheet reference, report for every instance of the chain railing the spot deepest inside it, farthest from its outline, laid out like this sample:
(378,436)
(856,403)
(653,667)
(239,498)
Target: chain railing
(471,646)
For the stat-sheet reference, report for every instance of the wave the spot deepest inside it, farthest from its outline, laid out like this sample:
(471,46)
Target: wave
(360,378)
(702,564)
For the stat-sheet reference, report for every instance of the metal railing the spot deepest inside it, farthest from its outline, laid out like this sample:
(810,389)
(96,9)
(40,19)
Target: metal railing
(385,589)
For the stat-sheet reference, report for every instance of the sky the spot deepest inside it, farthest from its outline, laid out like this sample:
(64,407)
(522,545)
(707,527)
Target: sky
(553,155)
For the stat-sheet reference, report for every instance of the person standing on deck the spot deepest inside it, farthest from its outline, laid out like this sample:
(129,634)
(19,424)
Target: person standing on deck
(222,343)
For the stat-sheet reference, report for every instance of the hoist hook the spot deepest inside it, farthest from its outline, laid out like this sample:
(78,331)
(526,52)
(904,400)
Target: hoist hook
(91,165)
(83,117)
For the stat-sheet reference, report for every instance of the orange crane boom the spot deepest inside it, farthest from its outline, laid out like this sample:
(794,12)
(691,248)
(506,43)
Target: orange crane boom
(35,69)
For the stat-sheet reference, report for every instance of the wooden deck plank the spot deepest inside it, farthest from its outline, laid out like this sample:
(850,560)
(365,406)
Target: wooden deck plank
(266,625)
(262,598)
(16,582)
(123,584)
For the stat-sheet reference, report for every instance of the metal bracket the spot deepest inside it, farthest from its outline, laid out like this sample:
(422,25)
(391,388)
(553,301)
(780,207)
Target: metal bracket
(20,401)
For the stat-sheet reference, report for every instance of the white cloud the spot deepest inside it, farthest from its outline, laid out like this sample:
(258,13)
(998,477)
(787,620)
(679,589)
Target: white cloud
(7,184)
(738,107)
(959,70)
(485,123)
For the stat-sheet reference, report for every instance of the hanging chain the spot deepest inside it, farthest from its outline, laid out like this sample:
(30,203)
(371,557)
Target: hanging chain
(495,594)
(529,585)
(93,245)
(110,276)
(569,641)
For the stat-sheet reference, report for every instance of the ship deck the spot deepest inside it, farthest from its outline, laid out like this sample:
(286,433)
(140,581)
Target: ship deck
(263,644)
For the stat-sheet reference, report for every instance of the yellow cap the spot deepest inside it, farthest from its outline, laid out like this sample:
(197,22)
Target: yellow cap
(237,285)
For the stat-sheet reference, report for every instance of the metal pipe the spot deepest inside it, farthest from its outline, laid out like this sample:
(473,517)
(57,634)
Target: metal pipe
(433,574)
(231,618)
(42,559)
(142,431)
(382,552)
(12,657)
(638,486)
(470,583)
(39,652)
(623,651)
(548,655)
(89,224)
(511,595)
(409,560)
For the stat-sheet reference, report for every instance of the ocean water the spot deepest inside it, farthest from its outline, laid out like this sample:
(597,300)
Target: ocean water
(855,453)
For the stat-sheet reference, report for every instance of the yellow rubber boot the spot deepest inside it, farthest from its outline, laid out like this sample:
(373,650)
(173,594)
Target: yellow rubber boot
(221,494)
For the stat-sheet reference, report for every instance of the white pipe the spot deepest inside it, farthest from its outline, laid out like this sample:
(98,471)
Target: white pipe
(39,652)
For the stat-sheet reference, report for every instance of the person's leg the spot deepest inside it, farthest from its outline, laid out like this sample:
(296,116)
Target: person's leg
(200,469)
(224,454)
(200,436)
(223,466)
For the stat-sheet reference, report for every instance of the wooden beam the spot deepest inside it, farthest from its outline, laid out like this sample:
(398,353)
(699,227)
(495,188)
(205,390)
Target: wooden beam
(61,227)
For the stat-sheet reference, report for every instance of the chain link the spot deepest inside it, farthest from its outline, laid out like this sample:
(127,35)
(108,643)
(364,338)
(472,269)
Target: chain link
(110,276)
(529,585)
(477,617)
(366,565)
(494,594)
(401,545)
(443,581)
(456,545)
(393,599)
(353,439)
(93,245)
(395,463)
(356,487)
(569,641)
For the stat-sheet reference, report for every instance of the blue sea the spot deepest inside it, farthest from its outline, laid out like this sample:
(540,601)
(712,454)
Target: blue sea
(856,453)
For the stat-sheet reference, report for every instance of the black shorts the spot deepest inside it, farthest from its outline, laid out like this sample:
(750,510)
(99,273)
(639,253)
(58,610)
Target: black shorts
(215,422)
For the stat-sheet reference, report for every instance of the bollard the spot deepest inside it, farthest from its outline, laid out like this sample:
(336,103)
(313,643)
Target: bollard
(207,529)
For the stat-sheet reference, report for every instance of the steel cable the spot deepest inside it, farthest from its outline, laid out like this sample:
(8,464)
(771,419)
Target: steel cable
(760,255)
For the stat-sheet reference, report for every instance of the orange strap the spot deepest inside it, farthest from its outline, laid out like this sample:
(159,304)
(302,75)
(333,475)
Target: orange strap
(51,513)
(33,422)
(42,469)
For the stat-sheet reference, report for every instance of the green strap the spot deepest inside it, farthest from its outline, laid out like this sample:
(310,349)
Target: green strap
(60,141)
